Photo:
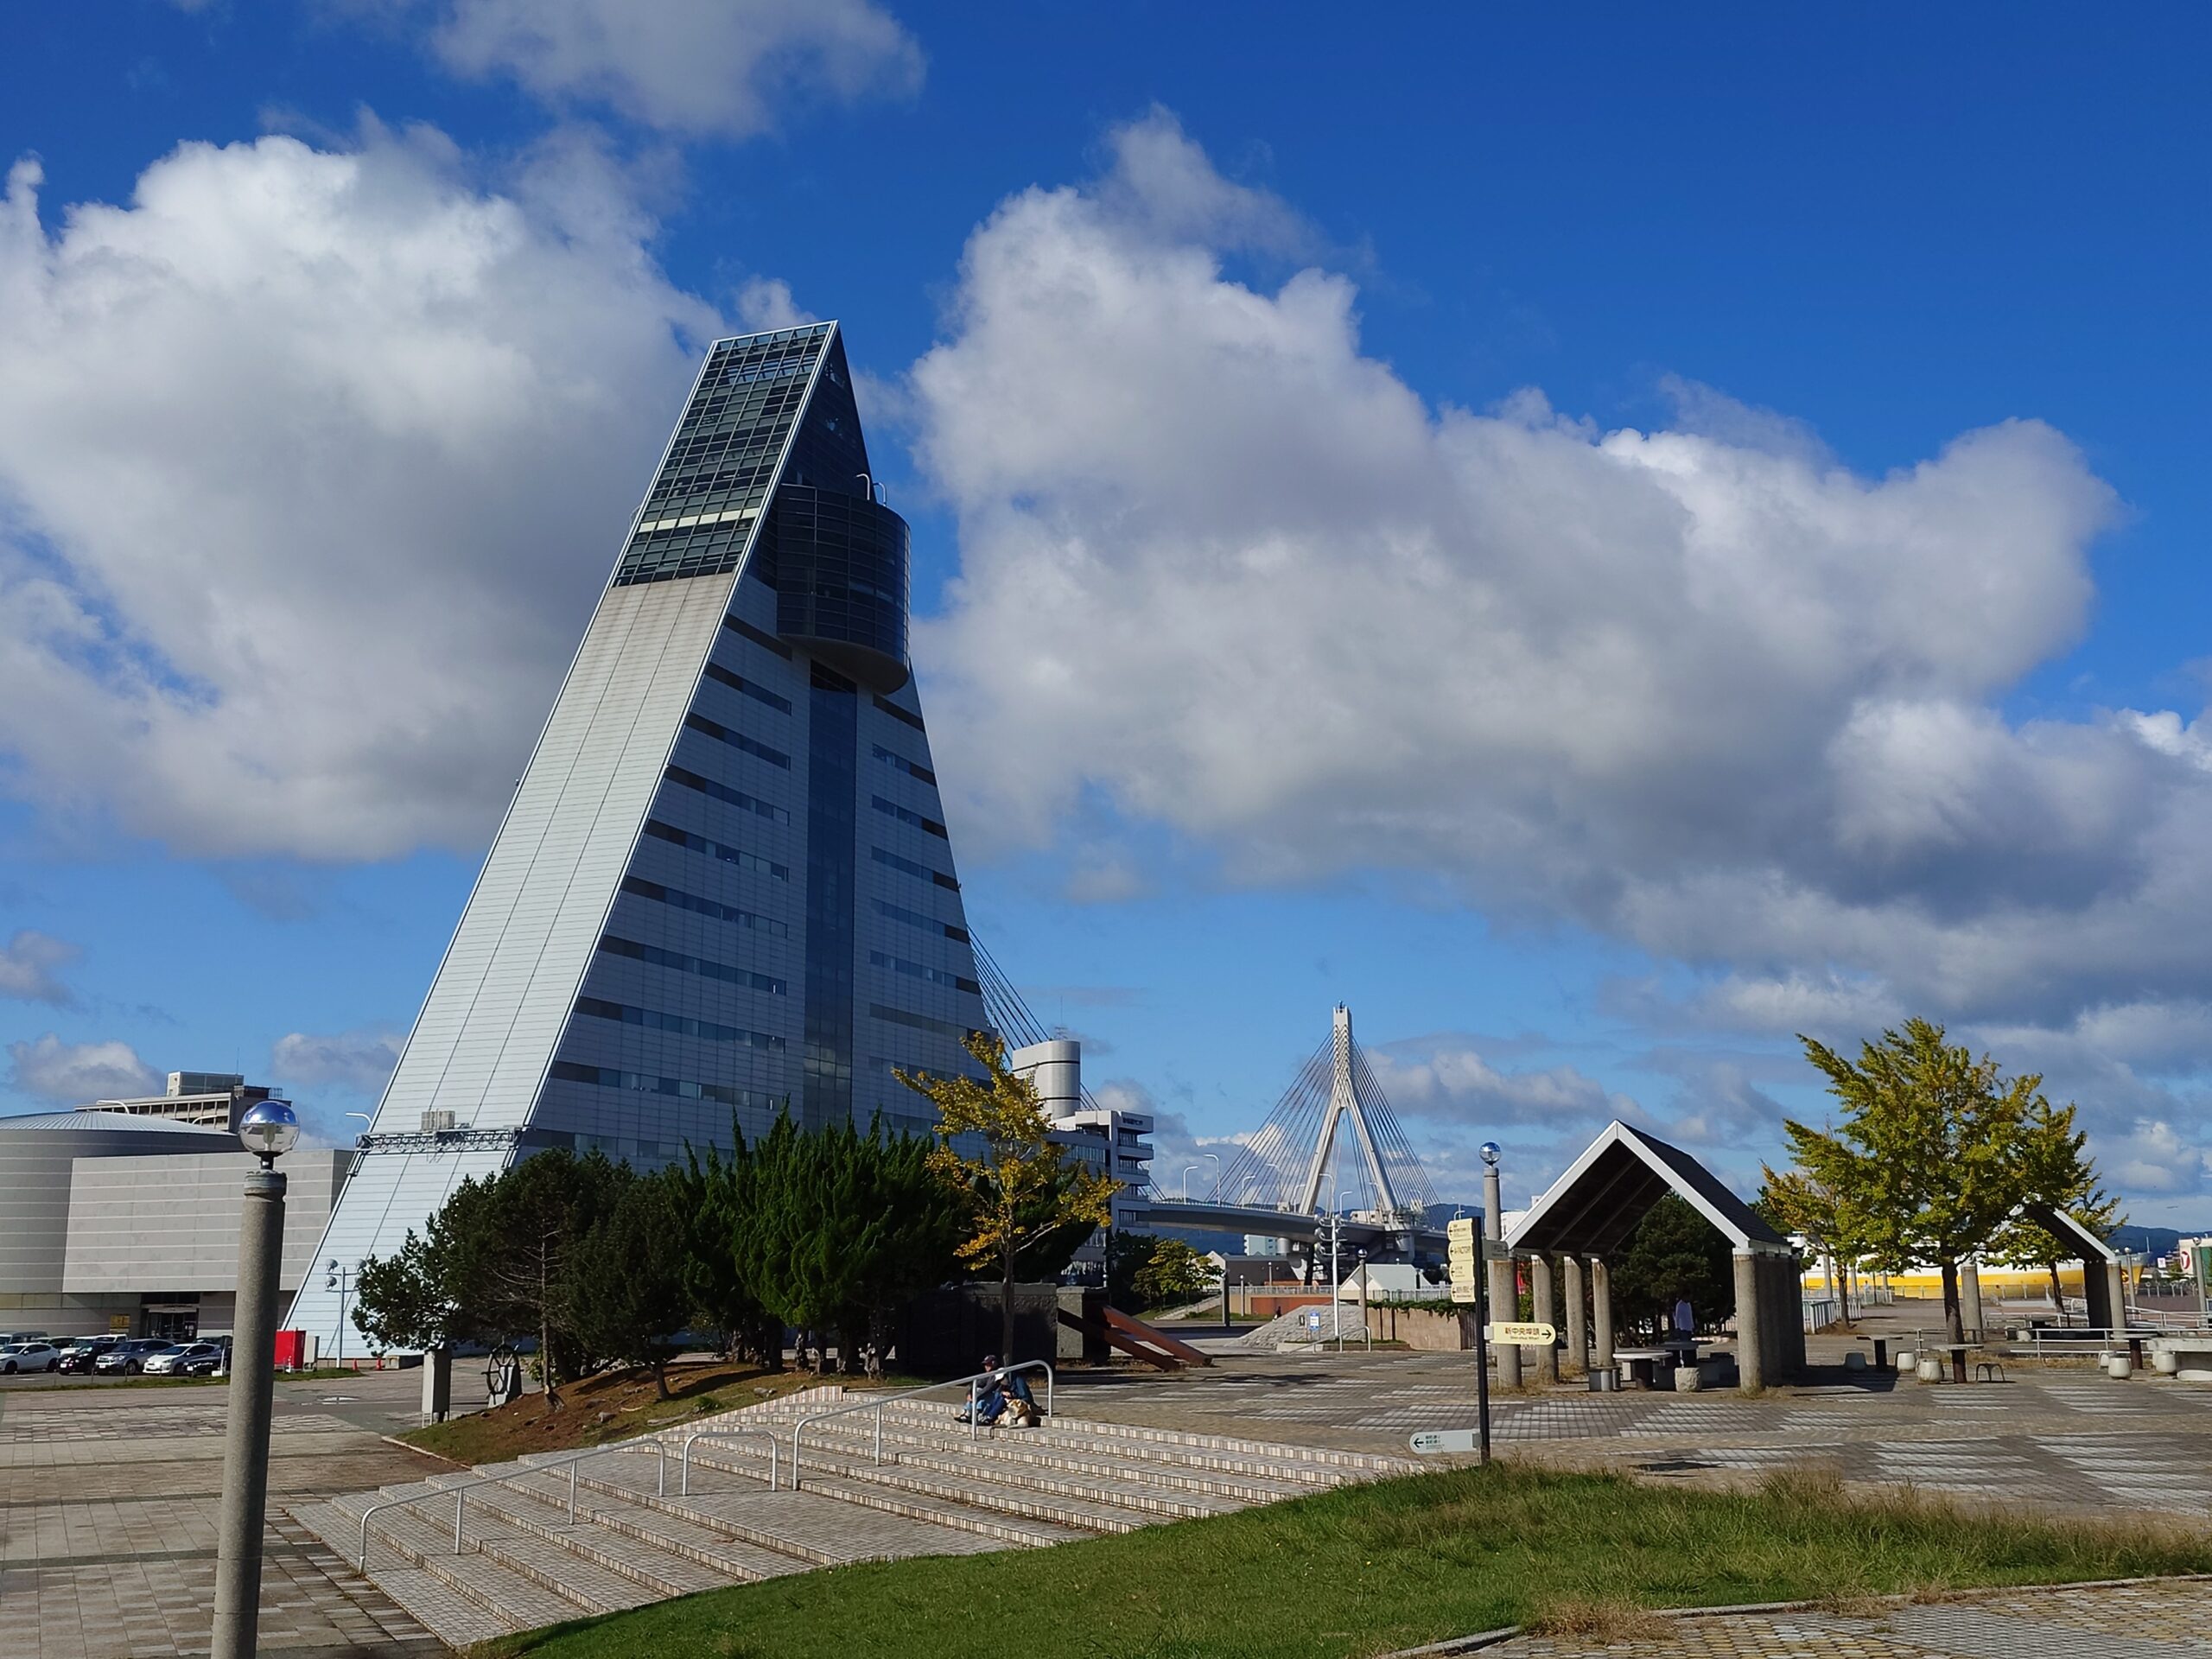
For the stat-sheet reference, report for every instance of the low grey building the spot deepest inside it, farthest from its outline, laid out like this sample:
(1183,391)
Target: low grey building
(117,1223)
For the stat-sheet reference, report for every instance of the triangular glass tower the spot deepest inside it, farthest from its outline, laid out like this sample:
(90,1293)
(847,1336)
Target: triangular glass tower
(723,888)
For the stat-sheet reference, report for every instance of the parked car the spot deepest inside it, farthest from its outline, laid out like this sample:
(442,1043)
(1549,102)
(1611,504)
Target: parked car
(29,1357)
(128,1358)
(179,1359)
(8,1338)
(80,1355)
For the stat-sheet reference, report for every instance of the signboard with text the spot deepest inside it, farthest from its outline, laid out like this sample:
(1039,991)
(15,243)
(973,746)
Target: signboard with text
(1522,1333)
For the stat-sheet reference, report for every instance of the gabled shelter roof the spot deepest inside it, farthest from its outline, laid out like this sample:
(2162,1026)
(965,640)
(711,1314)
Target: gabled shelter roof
(1594,1207)
(2055,1221)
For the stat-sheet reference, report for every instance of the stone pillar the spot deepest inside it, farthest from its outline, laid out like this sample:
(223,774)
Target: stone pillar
(1751,1362)
(1546,1357)
(1601,1317)
(437,1385)
(1970,1297)
(2116,1288)
(1578,1324)
(1505,1301)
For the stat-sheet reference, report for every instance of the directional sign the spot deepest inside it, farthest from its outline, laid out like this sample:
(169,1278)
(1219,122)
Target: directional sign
(1527,1333)
(1464,1288)
(1444,1440)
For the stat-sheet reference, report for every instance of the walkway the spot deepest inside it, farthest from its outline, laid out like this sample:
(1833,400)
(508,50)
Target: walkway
(108,1506)
(2168,1620)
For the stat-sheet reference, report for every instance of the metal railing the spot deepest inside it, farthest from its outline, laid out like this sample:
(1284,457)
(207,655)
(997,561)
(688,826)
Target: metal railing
(462,1489)
(684,1490)
(877,1405)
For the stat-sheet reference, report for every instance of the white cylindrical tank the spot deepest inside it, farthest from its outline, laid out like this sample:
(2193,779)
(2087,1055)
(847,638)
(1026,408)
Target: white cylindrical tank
(1056,1068)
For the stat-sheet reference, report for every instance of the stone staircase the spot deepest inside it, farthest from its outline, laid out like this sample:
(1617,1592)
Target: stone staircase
(523,1562)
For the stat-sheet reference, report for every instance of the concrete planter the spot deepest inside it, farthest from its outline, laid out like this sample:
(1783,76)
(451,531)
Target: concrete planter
(2166,1362)
(1930,1370)
(1907,1358)
(2119,1367)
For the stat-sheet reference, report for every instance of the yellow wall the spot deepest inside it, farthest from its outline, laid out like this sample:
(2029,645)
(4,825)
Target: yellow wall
(2026,1282)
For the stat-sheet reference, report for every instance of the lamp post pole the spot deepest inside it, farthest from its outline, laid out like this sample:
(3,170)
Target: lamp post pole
(269,1131)
(1501,1271)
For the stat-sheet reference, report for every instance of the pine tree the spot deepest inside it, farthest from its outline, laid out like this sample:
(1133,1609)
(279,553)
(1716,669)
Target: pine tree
(626,1284)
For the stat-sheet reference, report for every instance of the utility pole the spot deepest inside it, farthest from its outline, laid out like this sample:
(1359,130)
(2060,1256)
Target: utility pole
(268,1130)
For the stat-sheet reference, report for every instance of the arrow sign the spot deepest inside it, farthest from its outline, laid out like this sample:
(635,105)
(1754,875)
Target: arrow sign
(1432,1440)
(1526,1333)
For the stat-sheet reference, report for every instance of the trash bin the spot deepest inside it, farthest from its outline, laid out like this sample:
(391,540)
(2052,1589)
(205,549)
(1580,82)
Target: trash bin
(1607,1381)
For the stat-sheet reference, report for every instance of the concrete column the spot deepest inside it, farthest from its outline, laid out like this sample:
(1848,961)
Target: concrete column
(1505,1301)
(1970,1297)
(1601,1317)
(437,1385)
(1578,1324)
(1751,1362)
(2116,1287)
(246,1444)
(1546,1357)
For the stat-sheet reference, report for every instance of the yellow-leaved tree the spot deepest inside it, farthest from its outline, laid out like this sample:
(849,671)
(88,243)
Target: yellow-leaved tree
(1018,1188)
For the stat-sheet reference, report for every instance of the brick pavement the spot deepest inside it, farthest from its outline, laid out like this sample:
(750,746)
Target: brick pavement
(108,1506)
(2070,1438)
(2171,1620)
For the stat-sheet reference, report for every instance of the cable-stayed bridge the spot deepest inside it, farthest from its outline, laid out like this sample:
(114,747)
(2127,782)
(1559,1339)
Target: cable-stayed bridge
(1332,1146)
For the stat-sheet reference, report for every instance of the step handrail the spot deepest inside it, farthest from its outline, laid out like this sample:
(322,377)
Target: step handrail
(684,1490)
(878,1404)
(461,1489)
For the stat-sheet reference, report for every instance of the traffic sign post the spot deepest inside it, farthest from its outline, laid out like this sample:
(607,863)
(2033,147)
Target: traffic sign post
(1467,1252)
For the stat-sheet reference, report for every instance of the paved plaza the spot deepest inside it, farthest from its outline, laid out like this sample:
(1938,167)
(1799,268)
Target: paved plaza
(2167,1620)
(108,1507)
(108,1496)
(2066,1436)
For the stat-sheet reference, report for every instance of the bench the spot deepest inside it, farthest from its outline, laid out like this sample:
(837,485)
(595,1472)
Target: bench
(2186,1359)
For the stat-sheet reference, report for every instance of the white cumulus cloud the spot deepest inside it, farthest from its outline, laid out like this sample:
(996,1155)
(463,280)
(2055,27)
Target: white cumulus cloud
(30,965)
(1701,688)
(694,67)
(311,462)
(75,1074)
(352,1062)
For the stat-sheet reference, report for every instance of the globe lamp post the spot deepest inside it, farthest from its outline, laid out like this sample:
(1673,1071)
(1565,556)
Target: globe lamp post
(268,1130)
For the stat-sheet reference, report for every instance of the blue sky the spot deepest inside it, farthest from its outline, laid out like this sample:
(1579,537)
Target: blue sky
(1602,543)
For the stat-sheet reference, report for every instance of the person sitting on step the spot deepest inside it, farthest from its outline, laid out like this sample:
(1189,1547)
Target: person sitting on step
(989,1397)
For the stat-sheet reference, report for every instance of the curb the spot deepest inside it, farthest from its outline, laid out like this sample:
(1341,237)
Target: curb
(422,1452)
(1481,1639)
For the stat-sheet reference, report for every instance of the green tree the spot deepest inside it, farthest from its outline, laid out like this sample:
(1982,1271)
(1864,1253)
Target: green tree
(715,1199)
(492,1265)
(626,1292)
(1020,1189)
(1173,1272)
(1793,1202)
(1929,1162)
(2060,1175)
(1674,1253)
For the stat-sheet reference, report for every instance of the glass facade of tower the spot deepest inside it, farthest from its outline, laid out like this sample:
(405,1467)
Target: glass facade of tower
(725,889)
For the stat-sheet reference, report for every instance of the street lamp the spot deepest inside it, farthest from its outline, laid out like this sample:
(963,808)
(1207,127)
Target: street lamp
(268,1130)
(340,1279)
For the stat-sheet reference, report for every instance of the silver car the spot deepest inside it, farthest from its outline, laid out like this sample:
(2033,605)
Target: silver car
(29,1357)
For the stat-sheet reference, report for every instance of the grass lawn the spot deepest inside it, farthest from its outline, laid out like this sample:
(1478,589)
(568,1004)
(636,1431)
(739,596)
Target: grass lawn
(1367,1568)
(614,1406)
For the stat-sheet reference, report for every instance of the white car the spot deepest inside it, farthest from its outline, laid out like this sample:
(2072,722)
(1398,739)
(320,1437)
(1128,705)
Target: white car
(162,1362)
(29,1357)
